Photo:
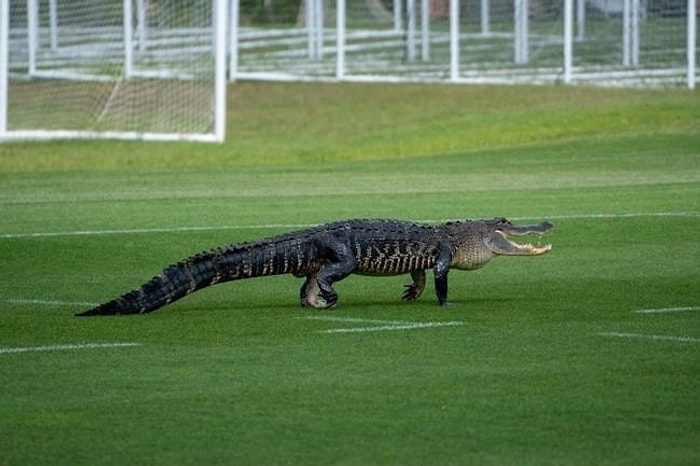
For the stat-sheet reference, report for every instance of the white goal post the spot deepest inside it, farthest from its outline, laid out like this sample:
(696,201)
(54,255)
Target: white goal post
(117,69)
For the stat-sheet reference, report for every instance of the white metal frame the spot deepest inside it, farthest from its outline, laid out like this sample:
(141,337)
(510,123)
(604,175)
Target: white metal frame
(4,59)
(412,12)
(521,34)
(219,28)
(340,19)
(411,24)
(568,51)
(314,28)
(691,46)
(630,33)
(226,25)
(454,40)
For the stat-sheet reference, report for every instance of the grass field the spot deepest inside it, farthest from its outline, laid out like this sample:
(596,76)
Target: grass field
(589,355)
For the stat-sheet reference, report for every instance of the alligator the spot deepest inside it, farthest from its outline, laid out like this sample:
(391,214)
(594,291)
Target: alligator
(328,253)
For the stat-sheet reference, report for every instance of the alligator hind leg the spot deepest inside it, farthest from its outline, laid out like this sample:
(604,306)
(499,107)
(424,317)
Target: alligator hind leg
(310,294)
(339,263)
(415,289)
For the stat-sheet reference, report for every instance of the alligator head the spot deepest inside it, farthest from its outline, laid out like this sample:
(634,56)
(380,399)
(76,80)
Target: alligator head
(480,240)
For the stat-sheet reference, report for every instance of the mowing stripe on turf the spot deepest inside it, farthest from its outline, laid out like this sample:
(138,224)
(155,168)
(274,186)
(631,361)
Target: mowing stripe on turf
(667,309)
(78,346)
(650,337)
(383,325)
(300,225)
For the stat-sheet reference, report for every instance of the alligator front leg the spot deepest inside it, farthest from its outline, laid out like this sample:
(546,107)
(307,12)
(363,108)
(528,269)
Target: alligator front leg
(442,267)
(415,289)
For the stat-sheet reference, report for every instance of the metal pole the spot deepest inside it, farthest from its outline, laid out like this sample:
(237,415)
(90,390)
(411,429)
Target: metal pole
(4,62)
(411,30)
(626,36)
(526,31)
(485,18)
(634,32)
(53,24)
(692,43)
(340,39)
(219,20)
(32,33)
(568,39)
(580,19)
(141,16)
(309,11)
(398,21)
(318,28)
(425,30)
(454,40)
(233,39)
(521,31)
(128,45)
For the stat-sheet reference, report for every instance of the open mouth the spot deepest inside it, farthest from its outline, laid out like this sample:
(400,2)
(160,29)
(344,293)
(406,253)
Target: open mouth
(501,244)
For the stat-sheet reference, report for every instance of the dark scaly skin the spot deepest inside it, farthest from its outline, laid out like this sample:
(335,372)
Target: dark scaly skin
(328,253)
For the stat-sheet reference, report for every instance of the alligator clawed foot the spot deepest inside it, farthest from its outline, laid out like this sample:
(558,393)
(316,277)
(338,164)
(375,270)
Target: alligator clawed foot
(411,293)
(318,303)
(448,304)
(331,299)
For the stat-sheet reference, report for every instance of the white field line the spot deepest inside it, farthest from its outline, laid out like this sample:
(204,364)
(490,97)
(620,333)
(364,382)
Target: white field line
(356,320)
(78,346)
(130,231)
(301,225)
(383,325)
(667,309)
(650,337)
(47,302)
(382,328)
(623,215)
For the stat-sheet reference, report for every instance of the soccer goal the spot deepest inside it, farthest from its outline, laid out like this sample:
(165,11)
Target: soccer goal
(605,42)
(126,69)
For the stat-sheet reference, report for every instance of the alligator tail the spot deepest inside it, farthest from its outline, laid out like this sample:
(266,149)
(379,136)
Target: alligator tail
(174,282)
(280,255)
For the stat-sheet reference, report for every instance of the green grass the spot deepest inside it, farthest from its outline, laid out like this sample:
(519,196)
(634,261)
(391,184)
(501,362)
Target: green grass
(237,373)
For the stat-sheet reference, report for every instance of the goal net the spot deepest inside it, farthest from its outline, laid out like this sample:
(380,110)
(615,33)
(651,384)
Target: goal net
(297,39)
(635,42)
(131,69)
(607,42)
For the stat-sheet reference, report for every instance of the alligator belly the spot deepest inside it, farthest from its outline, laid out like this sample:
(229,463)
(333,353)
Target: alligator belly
(373,273)
(393,265)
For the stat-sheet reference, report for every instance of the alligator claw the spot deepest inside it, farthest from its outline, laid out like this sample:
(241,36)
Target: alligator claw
(411,293)
(331,298)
